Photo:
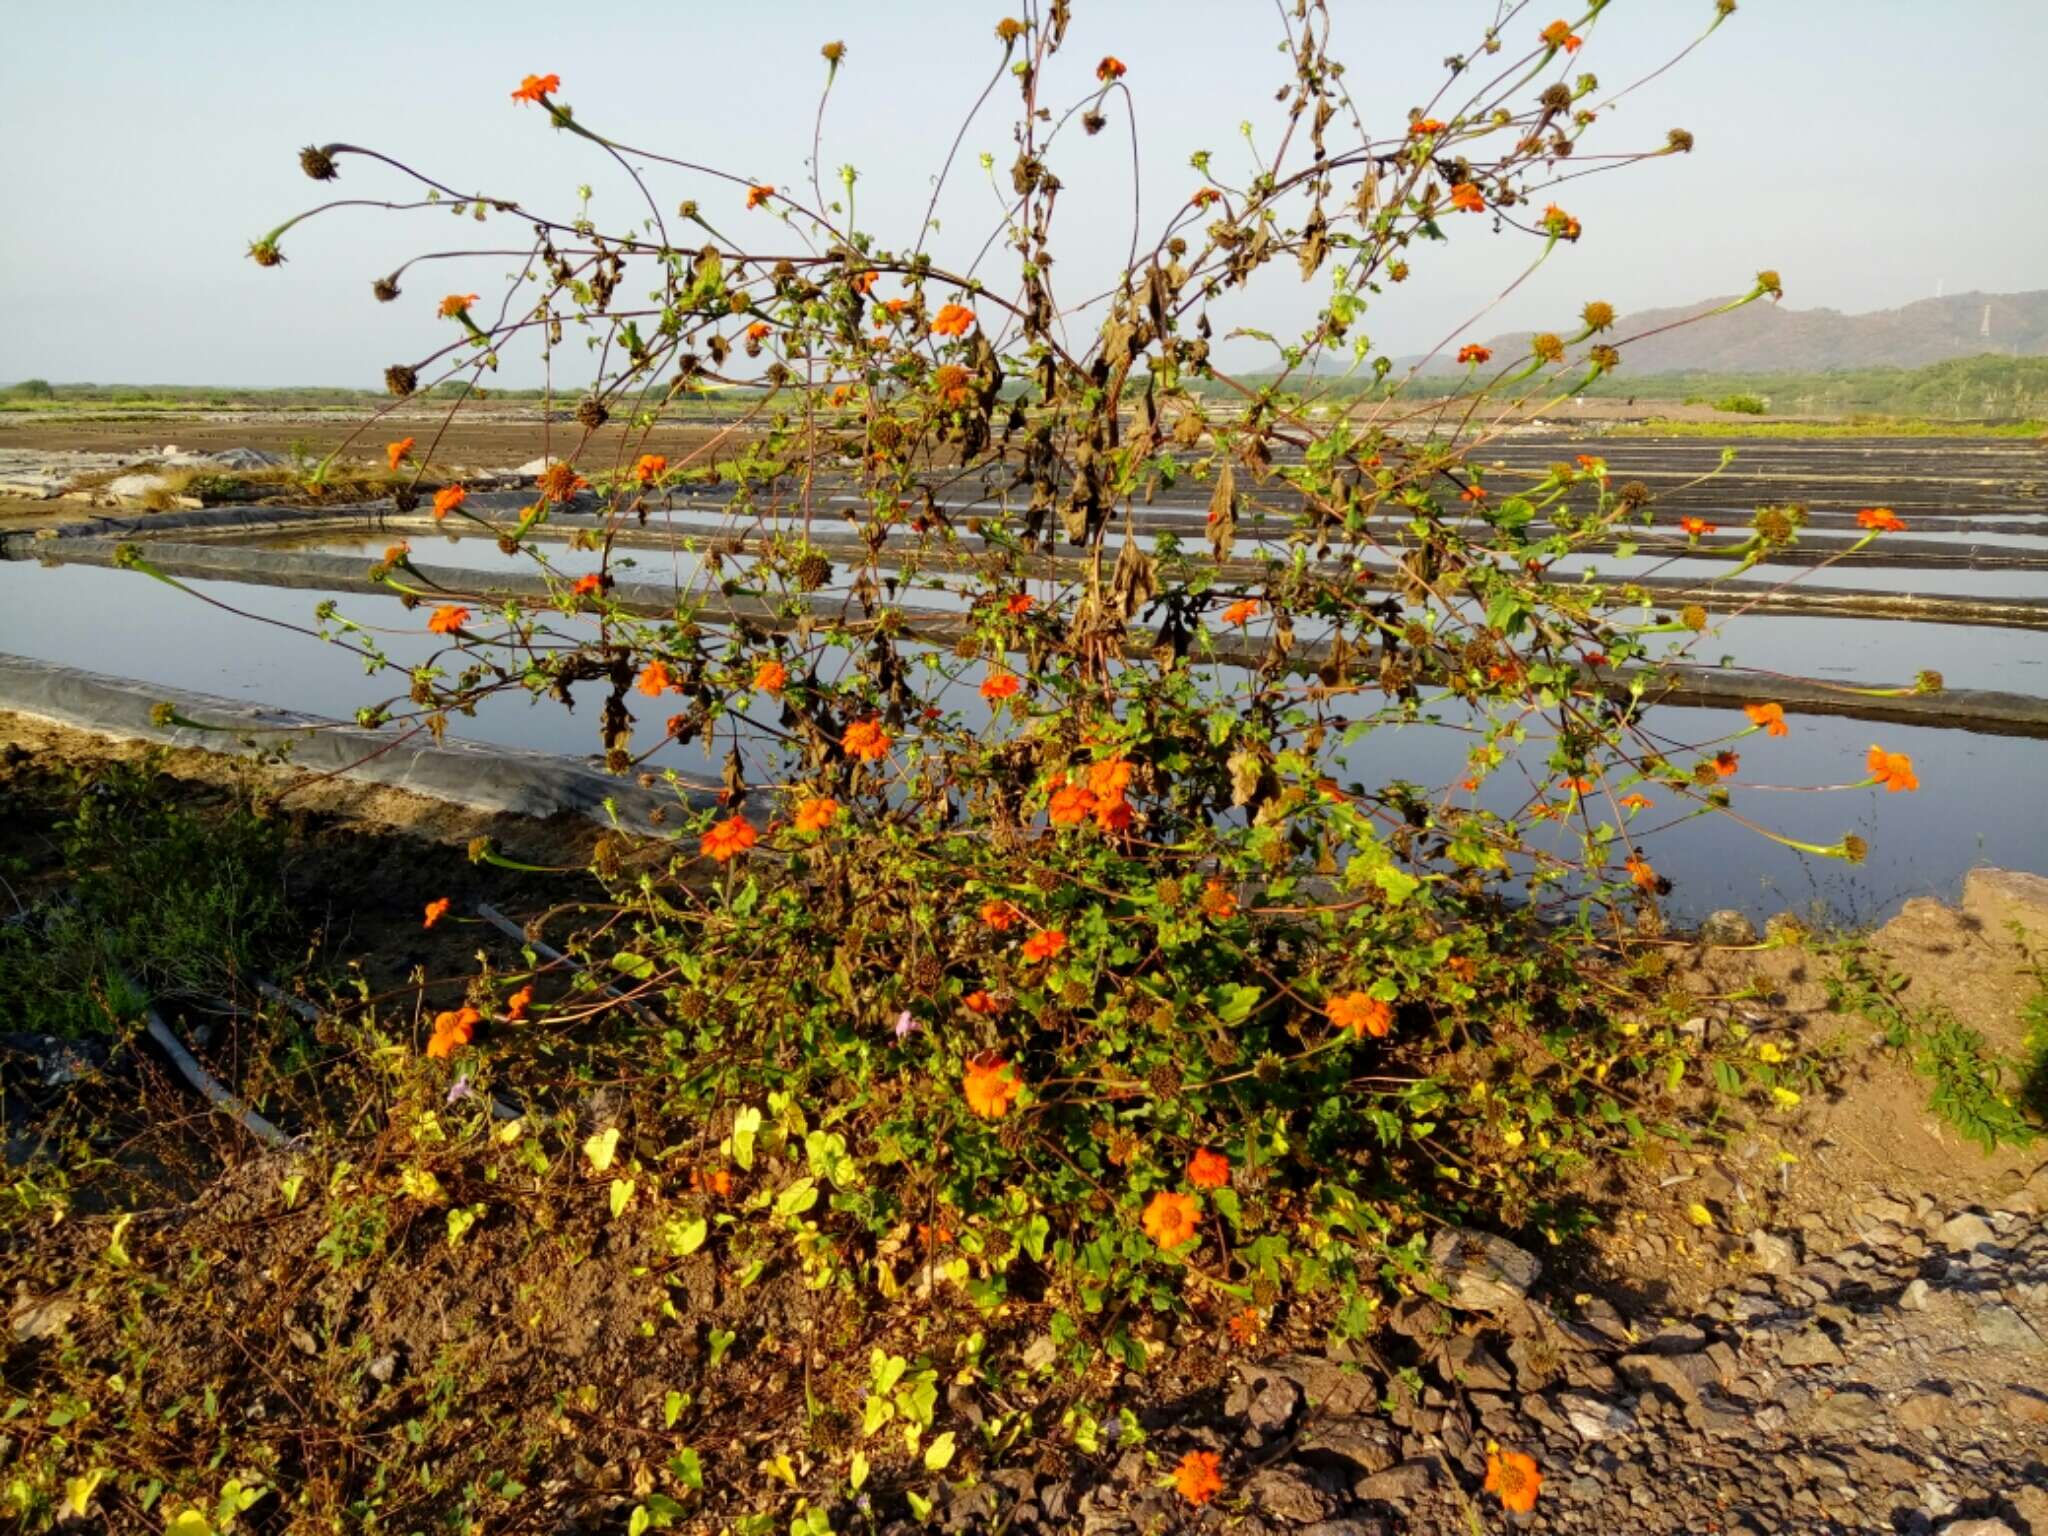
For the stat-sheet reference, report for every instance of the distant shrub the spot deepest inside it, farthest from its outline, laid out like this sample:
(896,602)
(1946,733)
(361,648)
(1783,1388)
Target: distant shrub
(33,389)
(1747,405)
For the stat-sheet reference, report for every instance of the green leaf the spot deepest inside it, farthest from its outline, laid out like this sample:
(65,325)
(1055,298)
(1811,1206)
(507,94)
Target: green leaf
(1235,1002)
(622,1196)
(671,1408)
(688,1468)
(639,1521)
(920,1506)
(746,1125)
(601,1148)
(797,1199)
(939,1454)
(857,1474)
(460,1219)
(1032,1237)
(637,966)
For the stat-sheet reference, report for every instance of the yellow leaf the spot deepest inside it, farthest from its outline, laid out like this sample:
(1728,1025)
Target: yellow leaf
(190,1523)
(1785,1097)
(858,1472)
(601,1148)
(1699,1215)
(512,1130)
(78,1491)
(622,1196)
(939,1454)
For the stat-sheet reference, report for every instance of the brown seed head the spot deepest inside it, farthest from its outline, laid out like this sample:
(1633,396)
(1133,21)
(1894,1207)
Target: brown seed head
(1605,358)
(266,254)
(1558,98)
(1768,281)
(385,288)
(1680,140)
(1854,849)
(1549,346)
(317,163)
(401,380)
(591,413)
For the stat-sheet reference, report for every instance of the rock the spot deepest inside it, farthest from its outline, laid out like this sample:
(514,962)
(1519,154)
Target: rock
(1675,1339)
(1284,1492)
(1914,1297)
(1774,1254)
(1727,927)
(1362,1451)
(1041,1353)
(1397,1484)
(37,1317)
(1595,1418)
(2024,1405)
(1846,1412)
(1536,1362)
(1809,1346)
(1925,1410)
(134,487)
(1673,1374)
(2000,897)
(1484,1273)
(1468,1363)
(1886,1209)
(1965,1232)
(1273,1406)
(2031,1505)
(1332,1390)
(1978,1528)
(2001,1327)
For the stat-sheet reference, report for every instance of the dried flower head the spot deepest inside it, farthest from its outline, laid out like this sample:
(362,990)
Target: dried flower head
(1548,346)
(1605,358)
(832,53)
(591,413)
(317,163)
(1680,140)
(385,288)
(265,253)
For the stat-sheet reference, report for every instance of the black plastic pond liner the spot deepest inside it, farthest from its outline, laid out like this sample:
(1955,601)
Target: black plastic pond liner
(1983,710)
(504,780)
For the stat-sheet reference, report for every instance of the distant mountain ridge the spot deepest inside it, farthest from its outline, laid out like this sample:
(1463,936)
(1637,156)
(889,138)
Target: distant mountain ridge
(1770,338)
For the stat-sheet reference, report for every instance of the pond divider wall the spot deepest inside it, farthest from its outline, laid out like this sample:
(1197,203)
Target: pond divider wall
(506,780)
(1982,710)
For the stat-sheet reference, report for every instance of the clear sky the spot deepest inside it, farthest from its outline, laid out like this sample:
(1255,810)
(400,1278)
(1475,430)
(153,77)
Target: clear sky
(1868,149)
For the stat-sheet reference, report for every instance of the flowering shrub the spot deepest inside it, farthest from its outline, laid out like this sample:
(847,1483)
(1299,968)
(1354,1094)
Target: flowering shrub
(1074,931)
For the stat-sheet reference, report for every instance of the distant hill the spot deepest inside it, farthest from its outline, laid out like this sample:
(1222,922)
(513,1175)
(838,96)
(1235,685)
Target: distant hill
(1769,338)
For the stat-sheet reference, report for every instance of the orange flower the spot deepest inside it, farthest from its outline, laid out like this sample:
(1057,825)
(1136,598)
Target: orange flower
(1111,68)
(717,1182)
(447,499)
(1697,526)
(990,1086)
(397,451)
(864,281)
(1197,1478)
(1241,612)
(895,306)
(1000,685)
(1205,197)
(517,1004)
(728,839)
(1170,1218)
(816,815)
(655,679)
(587,585)
(1208,1170)
(1560,223)
(954,386)
(1110,777)
(1474,493)
(1362,1014)
(1113,814)
(533,87)
(1514,1476)
(984,1004)
(1639,870)
(771,676)
(1881,519)
(1019,604)
(559,482)
(1770,716)
(1423,127)
(758,195)
(1635,802)
(1244,1325)
(453,1030)
(447,619)
(1044,944)
(866,740)
(1559,35)
(436,910)
(1894,770)
(1001,915)
(1466,198)
(650,467)
(1219,901)
(759,330)
(1472,352)
(1577,786)
(1070,805)
(1726,764)
(953,320)
(456,304)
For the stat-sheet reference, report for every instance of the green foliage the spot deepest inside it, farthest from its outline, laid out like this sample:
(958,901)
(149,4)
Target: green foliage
(1746,405)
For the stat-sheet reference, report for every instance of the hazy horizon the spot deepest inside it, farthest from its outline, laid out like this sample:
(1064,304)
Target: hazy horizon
(166,142)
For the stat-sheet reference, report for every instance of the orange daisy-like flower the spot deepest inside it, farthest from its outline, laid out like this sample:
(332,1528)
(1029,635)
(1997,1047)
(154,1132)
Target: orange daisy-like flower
(1466,198)
(1559,35)
(1000,915)
(1000,685)
(1362,1014)
(895,306)
(1112,813)
(729,839)
(1474,493)
(650,467)
(1170,1218)
(1044,944)
(771,677)
(1111,776)
(757,195)
(1560,223)
(1639,870)
(816,815)
(954,386)
(559,481)
(393,553)
(1196,1478)
(517,1004)
(447,619)
(655,679)
(398,451)
(1635,802)
(436,910)
(990,1086)
(1727,764)
(1697,526)
(1208,1169)
(863,282)
(1219,901)
(1111,68)
(983,1004)
(1770,716)
(1880,519)
(533,87)
(453,1030)
(759,330)
(587,585)
(1241,612)
(1423,127)
(456,304)
(1070,805)
(718,1182)
(447,499)
(1894,770)
(865,740)
(1245,1325)
(1019,604)
(1514,1476)
(953,320)
(1472,352)
(1205,197)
